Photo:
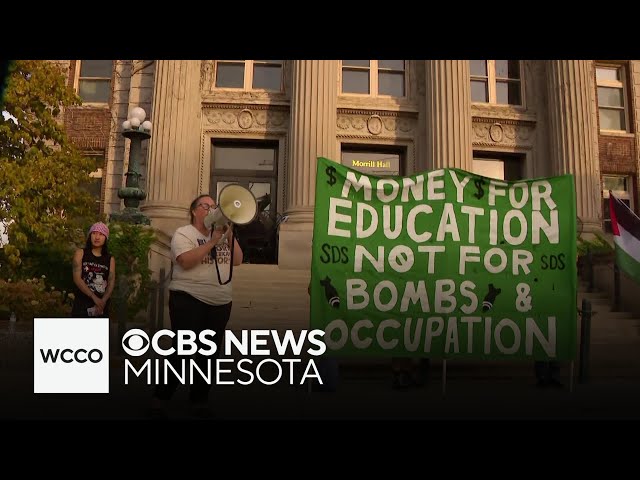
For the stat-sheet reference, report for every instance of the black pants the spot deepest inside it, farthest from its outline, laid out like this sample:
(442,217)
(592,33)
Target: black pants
(189,313)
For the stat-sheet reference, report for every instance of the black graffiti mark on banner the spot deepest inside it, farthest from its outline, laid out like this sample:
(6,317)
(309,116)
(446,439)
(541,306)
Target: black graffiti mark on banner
(479,183)
(330,171)
(330,292)
(490,297)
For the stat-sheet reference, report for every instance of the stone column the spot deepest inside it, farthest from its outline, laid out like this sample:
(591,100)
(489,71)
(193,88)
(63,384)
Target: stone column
(573,125)
(174,147)
(314,97)
(448,114)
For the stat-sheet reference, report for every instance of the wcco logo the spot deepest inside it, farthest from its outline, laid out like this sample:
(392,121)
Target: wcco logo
(71,355)
(68,355)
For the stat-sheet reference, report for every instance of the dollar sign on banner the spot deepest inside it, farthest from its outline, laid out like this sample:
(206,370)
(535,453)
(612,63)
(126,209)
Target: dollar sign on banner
(330,173)
(479,183)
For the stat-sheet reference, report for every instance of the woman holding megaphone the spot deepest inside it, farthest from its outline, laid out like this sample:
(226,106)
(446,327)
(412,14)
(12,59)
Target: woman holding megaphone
(198,298)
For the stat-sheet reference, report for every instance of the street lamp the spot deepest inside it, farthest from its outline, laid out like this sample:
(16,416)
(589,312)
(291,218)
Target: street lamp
(136,129)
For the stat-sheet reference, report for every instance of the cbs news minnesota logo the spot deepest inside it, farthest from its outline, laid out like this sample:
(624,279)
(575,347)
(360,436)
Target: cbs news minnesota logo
(71,355)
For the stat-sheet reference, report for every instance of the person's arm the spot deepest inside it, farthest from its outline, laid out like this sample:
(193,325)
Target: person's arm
(193,257)
(102,302)
(77,278)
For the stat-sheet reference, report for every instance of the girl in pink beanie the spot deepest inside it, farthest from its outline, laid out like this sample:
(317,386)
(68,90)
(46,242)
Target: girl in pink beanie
(99,227)
(94,274)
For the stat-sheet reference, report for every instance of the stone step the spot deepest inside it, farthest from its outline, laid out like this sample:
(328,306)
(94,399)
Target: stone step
(613,315)
(594,301)
(618,325)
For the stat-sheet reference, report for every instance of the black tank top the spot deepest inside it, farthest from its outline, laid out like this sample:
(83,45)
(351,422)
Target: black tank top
(95,273)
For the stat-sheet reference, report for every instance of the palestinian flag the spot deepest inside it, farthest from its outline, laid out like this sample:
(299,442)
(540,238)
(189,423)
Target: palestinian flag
(626,235)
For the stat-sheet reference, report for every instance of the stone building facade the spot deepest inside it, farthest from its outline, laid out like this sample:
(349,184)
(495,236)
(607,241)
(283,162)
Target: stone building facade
(263,123)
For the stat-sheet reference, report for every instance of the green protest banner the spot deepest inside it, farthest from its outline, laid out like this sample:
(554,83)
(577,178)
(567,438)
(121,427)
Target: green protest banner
(444,263)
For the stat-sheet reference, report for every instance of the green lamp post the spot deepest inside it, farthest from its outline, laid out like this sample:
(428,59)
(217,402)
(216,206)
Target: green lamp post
(136,129)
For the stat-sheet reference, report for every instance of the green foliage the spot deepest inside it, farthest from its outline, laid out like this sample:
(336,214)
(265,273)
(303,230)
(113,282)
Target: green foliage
(41,172)
(52,260)
(597,246)
(130,245)
(33,298)
(4,71)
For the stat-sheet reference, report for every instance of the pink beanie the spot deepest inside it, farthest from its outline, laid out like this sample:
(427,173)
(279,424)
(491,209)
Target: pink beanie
(101,228)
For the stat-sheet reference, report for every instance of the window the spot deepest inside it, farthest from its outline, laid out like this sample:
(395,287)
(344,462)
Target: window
(252,164)
(94,80)
(621,188)
(249,74)
(612,105)
(94,185)
(374,77)
(499,165)
(496,81)
(378,160)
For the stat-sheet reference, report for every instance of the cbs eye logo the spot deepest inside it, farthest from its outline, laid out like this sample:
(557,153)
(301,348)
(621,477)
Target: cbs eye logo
(135,342)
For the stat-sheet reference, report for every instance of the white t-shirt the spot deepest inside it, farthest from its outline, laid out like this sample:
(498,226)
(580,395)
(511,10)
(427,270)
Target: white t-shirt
(200,281)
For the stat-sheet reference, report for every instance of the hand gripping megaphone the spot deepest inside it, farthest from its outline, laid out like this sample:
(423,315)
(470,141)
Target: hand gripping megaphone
(236,206)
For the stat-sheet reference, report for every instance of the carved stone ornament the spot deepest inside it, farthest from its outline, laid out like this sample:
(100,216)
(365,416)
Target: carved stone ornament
(213,117)
(206,75)
(245,119)
(357,123)
(343,123)
(374,124)
(496,133)
(390,124)
(404,124)
(228,118)
(367,124)
(261,118)
(506,132)
(480,131)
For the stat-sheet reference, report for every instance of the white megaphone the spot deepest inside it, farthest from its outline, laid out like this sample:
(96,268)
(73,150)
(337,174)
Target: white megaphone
(236,205)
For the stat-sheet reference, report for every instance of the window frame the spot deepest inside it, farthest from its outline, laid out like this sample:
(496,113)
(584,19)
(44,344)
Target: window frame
(99,173)
(78,77)
(246,176)
(623,195)
(492,82)
(623,85)
(510,160)
(248,75)
(374,73)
